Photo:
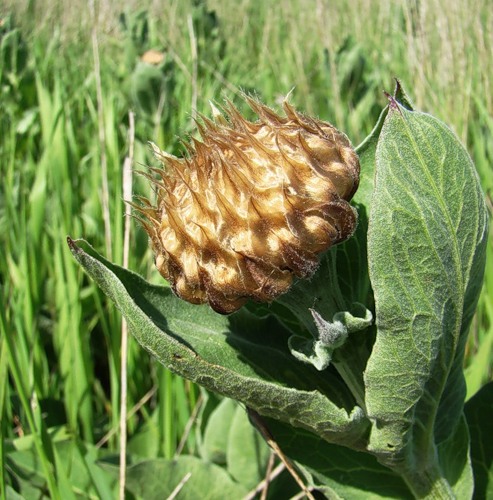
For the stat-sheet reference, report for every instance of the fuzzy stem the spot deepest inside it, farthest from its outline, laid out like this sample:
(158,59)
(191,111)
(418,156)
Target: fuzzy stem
(353,381)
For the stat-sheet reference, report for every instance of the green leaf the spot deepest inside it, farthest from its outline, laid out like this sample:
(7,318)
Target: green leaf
(455,461)
(240,356)
(157,478)
(247,452)
(12,494)
(230,440)
(479,411)
(426,246)
(215,442)
(76,465)
(146,440)
(336,470)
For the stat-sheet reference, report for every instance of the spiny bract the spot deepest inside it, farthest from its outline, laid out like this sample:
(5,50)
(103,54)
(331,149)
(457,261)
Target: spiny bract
(253,205)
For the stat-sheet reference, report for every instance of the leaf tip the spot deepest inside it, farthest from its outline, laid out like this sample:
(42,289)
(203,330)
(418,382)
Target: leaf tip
(393,104)
(398,86)
(73,247)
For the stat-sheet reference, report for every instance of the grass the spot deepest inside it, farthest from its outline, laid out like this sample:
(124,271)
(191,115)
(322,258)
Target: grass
(59,338)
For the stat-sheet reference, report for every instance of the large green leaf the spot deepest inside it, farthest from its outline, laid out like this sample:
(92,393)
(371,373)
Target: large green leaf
(241,356)
(455,461)
(426,247)
(342,473)
(229,439)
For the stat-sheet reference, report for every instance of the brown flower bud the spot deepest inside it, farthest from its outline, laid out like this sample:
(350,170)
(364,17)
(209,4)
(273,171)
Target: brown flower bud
(252,206)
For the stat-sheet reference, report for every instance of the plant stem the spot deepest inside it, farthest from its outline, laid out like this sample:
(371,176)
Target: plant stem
(105,197)
(127,196)
(353,381)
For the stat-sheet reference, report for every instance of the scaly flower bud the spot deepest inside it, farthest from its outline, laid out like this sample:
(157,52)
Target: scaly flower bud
(252,206)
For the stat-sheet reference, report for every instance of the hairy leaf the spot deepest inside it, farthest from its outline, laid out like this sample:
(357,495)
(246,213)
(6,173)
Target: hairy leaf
(426,246)
(240,356)
(342,472)
(455,461)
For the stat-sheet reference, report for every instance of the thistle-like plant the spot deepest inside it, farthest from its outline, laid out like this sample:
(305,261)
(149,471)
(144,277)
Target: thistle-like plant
(253,206)
(356,371)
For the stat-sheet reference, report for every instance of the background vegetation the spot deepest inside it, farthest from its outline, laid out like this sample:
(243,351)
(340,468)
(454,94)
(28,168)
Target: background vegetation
(70,74)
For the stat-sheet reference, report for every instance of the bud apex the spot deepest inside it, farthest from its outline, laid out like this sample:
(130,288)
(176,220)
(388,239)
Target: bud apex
(252,206)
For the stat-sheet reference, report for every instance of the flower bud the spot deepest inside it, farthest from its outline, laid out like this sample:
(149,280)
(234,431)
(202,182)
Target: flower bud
(252,206)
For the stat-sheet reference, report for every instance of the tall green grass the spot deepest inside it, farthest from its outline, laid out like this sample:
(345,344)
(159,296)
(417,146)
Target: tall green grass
(59,338)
